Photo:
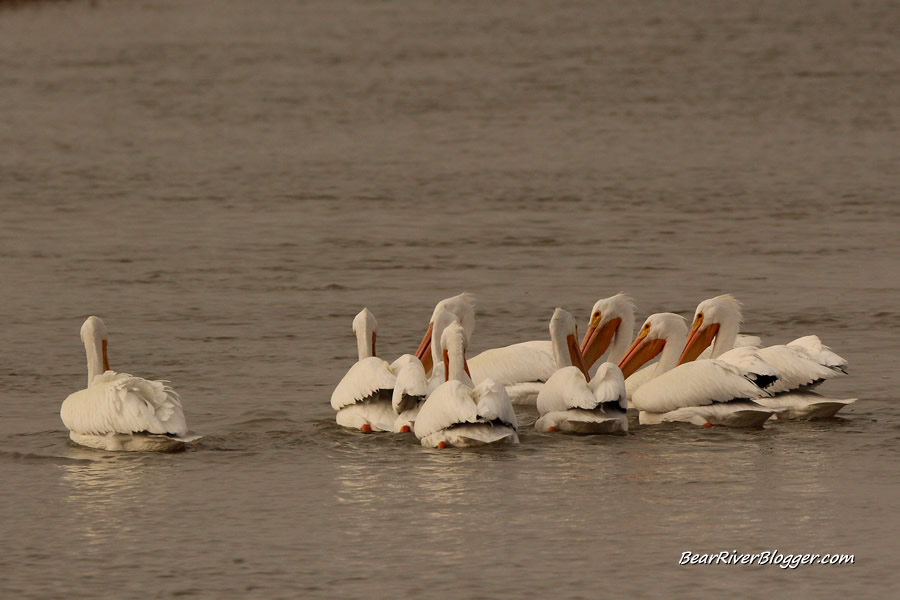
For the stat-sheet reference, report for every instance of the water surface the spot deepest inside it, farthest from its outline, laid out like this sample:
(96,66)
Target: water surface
(228,183)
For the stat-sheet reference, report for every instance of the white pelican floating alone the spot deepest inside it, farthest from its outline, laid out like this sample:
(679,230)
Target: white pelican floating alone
(363,397)
(458,413)
(707,392)
(118,411)
(801,364)
(571,401)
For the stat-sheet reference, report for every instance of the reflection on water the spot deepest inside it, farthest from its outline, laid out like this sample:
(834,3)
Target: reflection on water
(107,497)
(272,171)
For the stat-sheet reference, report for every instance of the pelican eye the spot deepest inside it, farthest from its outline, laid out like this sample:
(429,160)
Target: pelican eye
(700,316)
(597,315)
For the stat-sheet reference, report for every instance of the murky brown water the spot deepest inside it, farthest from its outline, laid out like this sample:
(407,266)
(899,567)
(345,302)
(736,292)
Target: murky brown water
(228,183)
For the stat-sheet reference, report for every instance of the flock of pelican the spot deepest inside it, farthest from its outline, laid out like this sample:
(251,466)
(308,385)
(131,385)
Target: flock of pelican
(708,375)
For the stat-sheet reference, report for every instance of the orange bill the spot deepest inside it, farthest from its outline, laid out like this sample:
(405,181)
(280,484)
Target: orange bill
(641,351)
(575,355)
(596,341)
(699,339)
(105,358)
(423,352)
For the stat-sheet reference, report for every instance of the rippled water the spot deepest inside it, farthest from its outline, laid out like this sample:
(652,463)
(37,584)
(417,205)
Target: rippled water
(228,183)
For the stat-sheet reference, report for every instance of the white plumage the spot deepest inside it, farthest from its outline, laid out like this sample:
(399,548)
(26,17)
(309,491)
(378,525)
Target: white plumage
(516,363)
(118,411)
(410,391)
(362,398)
(611,326)
(569,401)
(804,405)
(368,378)
(529,363)
(795,368)
(709,392)
(413,388)
(800,364)
(694,384)
(460,414)
(524,367)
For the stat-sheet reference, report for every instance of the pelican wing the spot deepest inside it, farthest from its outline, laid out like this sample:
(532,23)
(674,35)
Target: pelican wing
(796,367)
(402,361)
(697,383)
(364,379)
(565,389)
(524,394)
(493,403)
(608,385)
(819,352)
(528,361)
(805,405)
(749,363)
(450,404)
(742,341)
(122,403)
(410,386)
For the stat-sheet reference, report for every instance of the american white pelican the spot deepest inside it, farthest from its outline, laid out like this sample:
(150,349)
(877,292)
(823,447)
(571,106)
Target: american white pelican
(458,413)
(707,392)
(571,401)
(413,386)
(801,364)
(611,326)
(118,411)
(410,392)
(363,397)
(521,368)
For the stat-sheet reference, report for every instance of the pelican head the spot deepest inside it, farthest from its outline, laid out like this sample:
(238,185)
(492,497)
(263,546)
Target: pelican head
(717,318)
(613,316)
(94,329)
(365,328)
(461,305)
(94,337)
(563,331)
(659,332)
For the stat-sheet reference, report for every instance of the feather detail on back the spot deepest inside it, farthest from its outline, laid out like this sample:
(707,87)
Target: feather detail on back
(697,383)
(565,389)
(493,403)
(749,363)
(805,405)
(410,387)
(819,352)
(448,405)
(608,385)
(122,403)
(518,363)
(795,367)
(364,380)
(454,403)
